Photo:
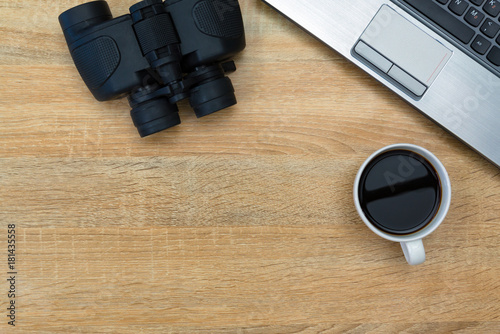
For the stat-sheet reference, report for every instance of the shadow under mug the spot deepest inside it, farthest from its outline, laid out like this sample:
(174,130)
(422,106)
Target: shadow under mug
(412,245)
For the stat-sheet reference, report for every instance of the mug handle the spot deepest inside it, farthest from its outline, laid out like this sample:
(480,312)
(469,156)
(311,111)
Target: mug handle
(414,252)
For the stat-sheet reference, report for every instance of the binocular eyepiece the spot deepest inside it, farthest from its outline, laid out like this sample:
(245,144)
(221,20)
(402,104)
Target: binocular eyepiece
(158,55)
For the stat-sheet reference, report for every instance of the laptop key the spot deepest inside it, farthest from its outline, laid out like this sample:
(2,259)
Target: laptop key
(481,45)
(474,17)
(492,7)
(458,6)
(477,2)
(490,28)
(494,56)
(444,19)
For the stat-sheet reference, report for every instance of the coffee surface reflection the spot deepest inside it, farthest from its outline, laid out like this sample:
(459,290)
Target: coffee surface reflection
(400,192)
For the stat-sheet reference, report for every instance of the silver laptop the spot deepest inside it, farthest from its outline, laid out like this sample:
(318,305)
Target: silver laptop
(442,56)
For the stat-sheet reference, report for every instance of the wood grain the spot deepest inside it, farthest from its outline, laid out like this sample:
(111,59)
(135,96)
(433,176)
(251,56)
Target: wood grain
(240,222)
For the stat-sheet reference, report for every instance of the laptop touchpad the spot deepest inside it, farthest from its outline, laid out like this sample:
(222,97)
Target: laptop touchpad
(402,51)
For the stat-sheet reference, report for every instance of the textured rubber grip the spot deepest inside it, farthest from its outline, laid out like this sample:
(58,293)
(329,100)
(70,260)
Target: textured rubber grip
(96,61)
(156,32)
(220,18)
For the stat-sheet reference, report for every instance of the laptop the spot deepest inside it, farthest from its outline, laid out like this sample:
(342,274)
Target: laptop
(441,56)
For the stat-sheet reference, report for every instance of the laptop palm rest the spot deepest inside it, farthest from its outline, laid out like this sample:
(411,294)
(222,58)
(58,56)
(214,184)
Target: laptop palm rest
(401,52)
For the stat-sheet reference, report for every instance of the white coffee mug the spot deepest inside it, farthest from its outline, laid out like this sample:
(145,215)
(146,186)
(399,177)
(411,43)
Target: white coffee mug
(412,245)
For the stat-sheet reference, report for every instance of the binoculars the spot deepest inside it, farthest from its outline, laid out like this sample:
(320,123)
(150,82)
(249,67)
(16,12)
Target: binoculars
(158,55)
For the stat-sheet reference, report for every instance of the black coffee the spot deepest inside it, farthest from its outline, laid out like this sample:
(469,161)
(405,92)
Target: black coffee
(400,192)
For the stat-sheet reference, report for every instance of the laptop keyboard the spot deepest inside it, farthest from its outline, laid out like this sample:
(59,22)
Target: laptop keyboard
(474,23)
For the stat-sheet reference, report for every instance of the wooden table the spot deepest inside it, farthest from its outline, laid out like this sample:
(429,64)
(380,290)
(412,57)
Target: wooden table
(240,222)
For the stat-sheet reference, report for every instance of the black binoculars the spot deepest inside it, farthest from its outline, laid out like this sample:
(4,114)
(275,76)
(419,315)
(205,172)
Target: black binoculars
(158,55)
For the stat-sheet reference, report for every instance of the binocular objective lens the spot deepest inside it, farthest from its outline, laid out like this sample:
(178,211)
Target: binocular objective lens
(95,11)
